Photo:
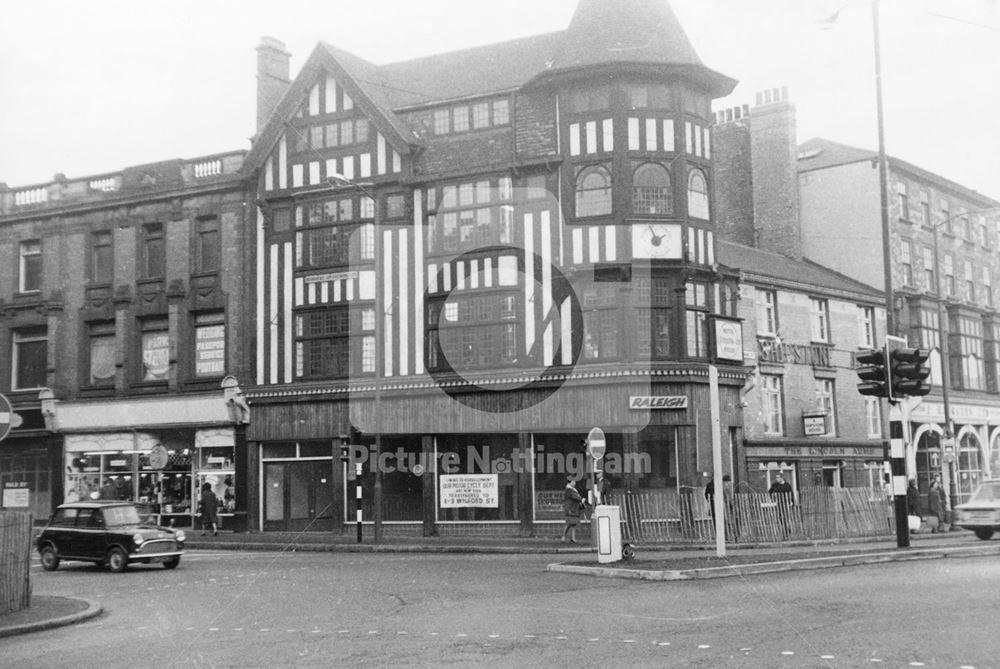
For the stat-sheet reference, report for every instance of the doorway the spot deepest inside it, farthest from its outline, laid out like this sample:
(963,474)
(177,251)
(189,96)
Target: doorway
(298,496)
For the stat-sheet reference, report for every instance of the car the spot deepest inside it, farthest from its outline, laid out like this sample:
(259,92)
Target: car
(981,513)
(107,533)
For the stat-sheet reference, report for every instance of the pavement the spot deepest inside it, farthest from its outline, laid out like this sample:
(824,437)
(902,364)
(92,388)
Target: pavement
(46,612)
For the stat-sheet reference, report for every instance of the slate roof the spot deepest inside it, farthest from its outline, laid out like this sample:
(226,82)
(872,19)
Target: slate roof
(762,266)
(818,154)
(640,33)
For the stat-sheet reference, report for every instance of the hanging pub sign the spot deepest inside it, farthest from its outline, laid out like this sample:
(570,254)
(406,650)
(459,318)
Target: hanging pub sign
(727,338)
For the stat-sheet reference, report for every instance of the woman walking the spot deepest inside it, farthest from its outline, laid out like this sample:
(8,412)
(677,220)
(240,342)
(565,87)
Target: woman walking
(572,504)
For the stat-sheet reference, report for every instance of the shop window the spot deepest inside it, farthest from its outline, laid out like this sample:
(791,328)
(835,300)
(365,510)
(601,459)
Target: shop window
(30,269)
(209,344)
(30,353)
(155,343)
(969,467)
(476,467)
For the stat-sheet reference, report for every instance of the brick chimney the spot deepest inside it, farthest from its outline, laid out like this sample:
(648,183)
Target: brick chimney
(272,77)
(774,150)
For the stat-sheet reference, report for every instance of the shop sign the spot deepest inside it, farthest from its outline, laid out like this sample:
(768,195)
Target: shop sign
(728,339)
(210,350)
(781,452)
(469,490)
(158,456)
(657,402)
(16,494)
(118,463)
(814,425)
(774,351)
(330,276)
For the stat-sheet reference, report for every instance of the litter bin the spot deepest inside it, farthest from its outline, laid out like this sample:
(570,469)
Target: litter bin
(608,521)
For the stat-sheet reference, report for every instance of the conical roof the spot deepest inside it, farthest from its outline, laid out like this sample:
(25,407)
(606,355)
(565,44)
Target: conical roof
(642,32)
(604,31)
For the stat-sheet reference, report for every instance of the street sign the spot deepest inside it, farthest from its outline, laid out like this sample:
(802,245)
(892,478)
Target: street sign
(6,417)
(596,444)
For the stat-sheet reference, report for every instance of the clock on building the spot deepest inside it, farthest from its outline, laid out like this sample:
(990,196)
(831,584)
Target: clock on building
(656,241)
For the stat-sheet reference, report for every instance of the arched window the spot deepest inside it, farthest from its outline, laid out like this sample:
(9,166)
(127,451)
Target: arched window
(593,191)
(969,466)
(651,190)
(697,194)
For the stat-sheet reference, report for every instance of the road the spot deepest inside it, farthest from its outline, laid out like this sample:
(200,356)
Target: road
(223,609)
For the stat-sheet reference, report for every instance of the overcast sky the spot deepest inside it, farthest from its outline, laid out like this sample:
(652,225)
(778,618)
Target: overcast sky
(92,87)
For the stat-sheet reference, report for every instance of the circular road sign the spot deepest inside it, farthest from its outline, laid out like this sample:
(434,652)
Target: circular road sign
(6,417)
(596,444)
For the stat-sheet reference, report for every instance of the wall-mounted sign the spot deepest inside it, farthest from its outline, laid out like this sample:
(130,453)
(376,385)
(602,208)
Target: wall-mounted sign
(6,417)
(773,350)
(16,494)
(658,402)
(728,337)
(330,276)
(814,424)
(469,490)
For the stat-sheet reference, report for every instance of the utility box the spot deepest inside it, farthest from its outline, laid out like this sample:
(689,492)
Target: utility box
(608,521)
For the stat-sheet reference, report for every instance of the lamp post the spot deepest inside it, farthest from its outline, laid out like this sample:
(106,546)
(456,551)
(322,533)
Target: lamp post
(949,429)
(883,179)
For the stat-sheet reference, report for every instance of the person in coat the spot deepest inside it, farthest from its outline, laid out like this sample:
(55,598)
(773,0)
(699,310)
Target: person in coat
(209,510)
(936,505)
(572,505)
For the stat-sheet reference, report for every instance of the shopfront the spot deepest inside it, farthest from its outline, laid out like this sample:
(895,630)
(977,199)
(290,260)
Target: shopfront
(815,464)
(29,466)
(156,452)
(963,462)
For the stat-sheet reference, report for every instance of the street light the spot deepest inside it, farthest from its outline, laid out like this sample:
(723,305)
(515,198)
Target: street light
(949,428)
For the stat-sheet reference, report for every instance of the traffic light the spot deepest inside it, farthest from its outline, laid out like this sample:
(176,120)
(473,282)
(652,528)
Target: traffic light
(873,373)
(907,372)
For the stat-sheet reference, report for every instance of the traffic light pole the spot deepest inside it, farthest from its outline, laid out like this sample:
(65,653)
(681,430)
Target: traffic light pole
(897,461)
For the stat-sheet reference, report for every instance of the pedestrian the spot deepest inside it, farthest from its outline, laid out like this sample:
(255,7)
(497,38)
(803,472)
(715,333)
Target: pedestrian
(108,490)
(913,505)
(936,507)
(572,505)
(727,499)
(781,492)
(209,506)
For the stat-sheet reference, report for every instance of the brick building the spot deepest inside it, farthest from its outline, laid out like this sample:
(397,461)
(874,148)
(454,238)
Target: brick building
(119,324)
(943,242)
(467,261)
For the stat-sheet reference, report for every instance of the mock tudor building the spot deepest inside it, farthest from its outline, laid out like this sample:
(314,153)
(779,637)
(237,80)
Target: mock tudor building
(467,261)
(943,241)
(120,335)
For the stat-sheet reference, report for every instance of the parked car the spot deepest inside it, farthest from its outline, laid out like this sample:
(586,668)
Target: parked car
(107,533)
(981,513)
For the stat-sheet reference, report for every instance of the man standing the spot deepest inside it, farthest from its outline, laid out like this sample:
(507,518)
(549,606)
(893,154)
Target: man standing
(781,492)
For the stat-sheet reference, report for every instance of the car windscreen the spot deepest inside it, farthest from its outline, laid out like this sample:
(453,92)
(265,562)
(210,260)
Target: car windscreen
(116,516)
(987,492)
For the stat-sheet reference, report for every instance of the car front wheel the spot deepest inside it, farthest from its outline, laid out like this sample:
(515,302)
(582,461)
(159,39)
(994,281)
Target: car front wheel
(172,563)
(117,560)
(984,533)
(49,557)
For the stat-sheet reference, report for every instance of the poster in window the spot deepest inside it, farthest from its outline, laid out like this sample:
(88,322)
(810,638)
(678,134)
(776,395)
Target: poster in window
(210,350)
(155,356)
(469,490)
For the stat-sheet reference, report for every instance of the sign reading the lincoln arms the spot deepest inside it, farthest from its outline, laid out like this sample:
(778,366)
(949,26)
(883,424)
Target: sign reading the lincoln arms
(774,351)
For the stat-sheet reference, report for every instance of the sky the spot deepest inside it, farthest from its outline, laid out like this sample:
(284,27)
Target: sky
(92,87)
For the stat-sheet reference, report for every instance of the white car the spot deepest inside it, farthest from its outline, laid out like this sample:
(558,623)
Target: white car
(981,513)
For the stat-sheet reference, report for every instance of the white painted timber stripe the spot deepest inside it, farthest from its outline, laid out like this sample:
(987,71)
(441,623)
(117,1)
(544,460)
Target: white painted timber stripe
(418,278)
(577,246)
(261,298)
(287,315)
(387,279)
(610,243)
(529,282)
(273,314)
(595,244)
(404,302)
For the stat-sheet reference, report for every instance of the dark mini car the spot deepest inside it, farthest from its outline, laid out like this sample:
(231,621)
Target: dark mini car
(981,513)
(109,534)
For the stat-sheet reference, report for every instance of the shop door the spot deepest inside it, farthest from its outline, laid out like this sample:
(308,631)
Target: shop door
(298,496)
